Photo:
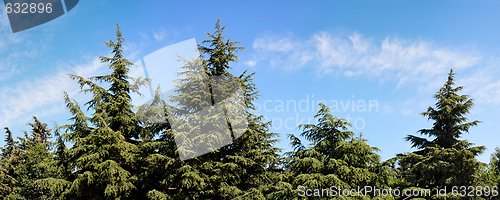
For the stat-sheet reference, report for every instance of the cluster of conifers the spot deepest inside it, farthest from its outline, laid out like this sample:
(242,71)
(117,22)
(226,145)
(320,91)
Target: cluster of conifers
(109,152)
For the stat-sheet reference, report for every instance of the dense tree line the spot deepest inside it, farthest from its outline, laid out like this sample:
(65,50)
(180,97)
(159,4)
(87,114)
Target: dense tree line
(112,150)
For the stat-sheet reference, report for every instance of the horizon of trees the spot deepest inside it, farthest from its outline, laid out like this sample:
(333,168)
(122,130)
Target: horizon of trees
(122,152)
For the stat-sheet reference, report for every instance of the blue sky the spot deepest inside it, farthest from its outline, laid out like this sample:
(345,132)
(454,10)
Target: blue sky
(392,55)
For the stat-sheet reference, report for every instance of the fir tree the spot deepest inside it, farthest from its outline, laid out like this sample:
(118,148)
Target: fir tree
(103,154)
(446,160)
(9,143)
(230,149)
(251,157)
(34,161)
(448,116)
(8,162)
(54,186)
(119,115)
(335,157)
(201,131)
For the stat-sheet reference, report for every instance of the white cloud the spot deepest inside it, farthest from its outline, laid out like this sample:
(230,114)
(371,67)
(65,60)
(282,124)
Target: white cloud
(251,63)
(7,39)
(484,84)
(283,51)
(7,69)
(275,43)
(41,96)
(356,55)
(421,63)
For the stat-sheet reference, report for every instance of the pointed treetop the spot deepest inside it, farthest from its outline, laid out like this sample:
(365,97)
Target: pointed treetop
(119,38)
(329,128)
(220,51)
(118,31)
(40,133)
(448,89)
(8,137)
(9,143)
(448,115)
(451,76)
(117,50)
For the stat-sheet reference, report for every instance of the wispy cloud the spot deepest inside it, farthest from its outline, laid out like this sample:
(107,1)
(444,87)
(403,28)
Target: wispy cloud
(283,51)
(23,93)
(403,61)
(484,84)
(41,96)
(5,31)
(7,39)
(356,55)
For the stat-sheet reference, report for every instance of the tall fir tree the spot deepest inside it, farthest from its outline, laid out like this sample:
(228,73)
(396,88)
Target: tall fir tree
(119,114)
(446,160)
(230,149)
(104,153)
(251,157)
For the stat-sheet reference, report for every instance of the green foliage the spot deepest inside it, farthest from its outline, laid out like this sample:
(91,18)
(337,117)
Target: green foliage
(238,153)
(492,174)
(27,162)
(446,160)
(335,157)
(9,160)
(103,154)
(156,195)
(212,145)
(220,51)
(448,116)
(495,161)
